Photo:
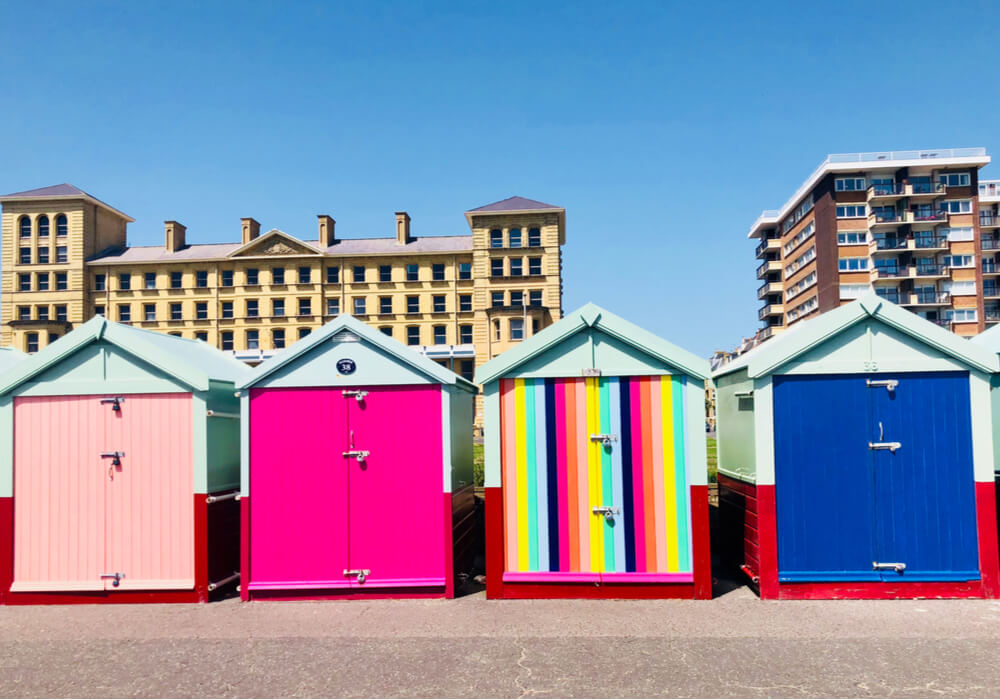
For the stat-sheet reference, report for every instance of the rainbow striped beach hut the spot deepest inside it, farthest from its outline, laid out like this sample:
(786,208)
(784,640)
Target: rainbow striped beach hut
(596,477)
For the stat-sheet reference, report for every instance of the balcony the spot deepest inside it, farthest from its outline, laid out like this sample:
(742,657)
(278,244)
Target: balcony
(885,193)
(924,190)
(928,271)
(768,244)
(989,219)
(928,299)
(926,215)
(888,294)
(991,267)
(769,288)
(991,290)
(771,310)
(989,190)
(943,322)
(990,243)
(891,273)
(768,331)
(768,266)
(991,314)
(930,242)
(885,219)
(888,246)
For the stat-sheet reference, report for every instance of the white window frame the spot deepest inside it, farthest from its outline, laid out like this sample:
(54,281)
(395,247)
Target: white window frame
(838,184)
(964,179)
(860,234)
(861,261)
(947,206)
(862,207)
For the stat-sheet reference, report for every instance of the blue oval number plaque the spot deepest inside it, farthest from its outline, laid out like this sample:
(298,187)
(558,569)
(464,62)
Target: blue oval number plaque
(346,366)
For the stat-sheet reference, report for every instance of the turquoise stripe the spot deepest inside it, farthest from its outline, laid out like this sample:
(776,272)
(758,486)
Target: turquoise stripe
(616,474)
(607,494)
(541,460)
(532,472)
(680,480)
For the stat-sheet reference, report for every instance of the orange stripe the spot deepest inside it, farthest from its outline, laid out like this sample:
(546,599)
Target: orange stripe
(648,498)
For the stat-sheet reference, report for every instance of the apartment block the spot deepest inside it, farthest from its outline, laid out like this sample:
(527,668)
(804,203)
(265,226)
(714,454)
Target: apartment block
(461,299)
(919,227)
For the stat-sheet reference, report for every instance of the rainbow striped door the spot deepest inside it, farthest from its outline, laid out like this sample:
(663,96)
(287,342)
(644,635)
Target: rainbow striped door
(595,479)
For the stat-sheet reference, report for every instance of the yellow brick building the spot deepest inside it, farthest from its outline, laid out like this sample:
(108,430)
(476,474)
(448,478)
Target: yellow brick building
(459,299)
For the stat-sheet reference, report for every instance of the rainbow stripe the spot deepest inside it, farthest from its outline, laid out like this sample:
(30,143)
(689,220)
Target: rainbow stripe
(554,475)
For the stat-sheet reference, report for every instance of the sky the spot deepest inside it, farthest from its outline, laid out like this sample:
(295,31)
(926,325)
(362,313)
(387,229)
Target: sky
(663,128)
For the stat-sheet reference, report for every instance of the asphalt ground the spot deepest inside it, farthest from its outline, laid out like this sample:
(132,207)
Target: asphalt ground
(733,646)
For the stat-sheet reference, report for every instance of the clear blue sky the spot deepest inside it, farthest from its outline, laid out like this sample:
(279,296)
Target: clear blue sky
(663,128)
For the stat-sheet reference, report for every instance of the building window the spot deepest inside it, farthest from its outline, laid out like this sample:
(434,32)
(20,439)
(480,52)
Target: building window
(24,313)
(125,281)
(535,326)
(42,282)
(277,307)
(516,298)
(465,302)
(62,281)
(951,206)
(496,329)
(465,271)
(852,211)
(412,305)
(852,238)
(176,311)
(25,227)
(278,338)
(305,307)
(496,299)
(43,255)
(439,303)
(201,278)
(465,334)
(359,273)
(62,254)
(535,297)
(43,313)
(386,330)
(150,280)
(124,313)
(305,275)
(957,260)
(849,184)
(252,309)
(534,266)
(227,340)
(227,278)
(440,335)
(517,329)
(962,233)
(277,275)
(303,332)
(496,238)
(201,310)
(359,306)
(253,340)
(385,305)
(961,315)
(467,368)
(516,269)
(333,275)
(227,309)
(99,310)
(412,273)
(201,335)
(61,313)
(24,282)
(515,238)
(62,225)
(413,335)
(149,312)
(852,264)
(954,179)
(496,267)
(253,276)
(100,283)
(534,238)
(385,273)
(333,307)
(31,344)
(437,272)
(43,226)
(25,256)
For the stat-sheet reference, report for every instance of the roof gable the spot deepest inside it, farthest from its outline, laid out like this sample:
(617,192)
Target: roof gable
(275,243)
(591,316)
(989,339)
(514,204)
(63,191)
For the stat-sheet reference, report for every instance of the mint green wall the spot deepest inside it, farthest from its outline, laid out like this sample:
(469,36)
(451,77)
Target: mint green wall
(223,449)
(491,435)
(994,405)
(734,418)
(587,349)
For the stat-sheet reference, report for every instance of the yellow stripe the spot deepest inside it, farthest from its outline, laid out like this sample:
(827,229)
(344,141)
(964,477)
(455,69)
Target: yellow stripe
(594,470)
(522,477)
(669,485)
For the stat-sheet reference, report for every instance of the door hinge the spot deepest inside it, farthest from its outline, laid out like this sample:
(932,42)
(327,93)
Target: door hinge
(898,567)
(604,439)
(116,578)
(115,401)
(115,457)
(891,446)
(889,384)
(609,512)
(361,574)
(360,455)
(358,394)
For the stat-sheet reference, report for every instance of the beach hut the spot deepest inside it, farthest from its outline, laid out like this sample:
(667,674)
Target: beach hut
(856,459)
(596,476)
(119,468)
(357,470)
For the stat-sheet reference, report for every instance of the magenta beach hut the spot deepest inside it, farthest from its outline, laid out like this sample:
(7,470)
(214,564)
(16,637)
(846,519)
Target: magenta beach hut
(358,466)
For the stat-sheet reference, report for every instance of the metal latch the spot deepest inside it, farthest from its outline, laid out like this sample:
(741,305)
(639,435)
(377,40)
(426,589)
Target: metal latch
(116,576)
(609,512)
(116,457)
(891,446)
(898,567)
(590,372)
(604,439)
(358,394)
(362,574)
(359,455)
(889,384)
(116,402)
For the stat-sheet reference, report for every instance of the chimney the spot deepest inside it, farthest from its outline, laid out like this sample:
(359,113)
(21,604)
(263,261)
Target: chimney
(402,228)
(174,236)
(251,229)
(327,231)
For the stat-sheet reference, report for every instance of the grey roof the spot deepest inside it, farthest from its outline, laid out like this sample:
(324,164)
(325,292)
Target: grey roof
(63,191)
(515,204)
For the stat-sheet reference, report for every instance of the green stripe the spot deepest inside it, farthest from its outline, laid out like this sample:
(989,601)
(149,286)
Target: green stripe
(532,476)
(680,472)
(607,492)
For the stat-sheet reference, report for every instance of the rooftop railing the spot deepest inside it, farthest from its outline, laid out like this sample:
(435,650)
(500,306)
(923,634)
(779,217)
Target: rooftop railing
(904,155)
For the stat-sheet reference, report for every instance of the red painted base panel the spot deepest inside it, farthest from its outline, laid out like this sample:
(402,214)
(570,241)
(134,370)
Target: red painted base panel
(880,591)
(351,594)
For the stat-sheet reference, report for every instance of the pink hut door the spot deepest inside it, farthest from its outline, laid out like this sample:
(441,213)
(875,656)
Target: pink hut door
(396,514)
(298,489)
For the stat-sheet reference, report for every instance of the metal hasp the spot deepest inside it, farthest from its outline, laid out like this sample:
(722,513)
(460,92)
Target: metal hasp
(891,446)
(223,497)
(889,384)
(609,512)
(115,401)
(228,579)
(117,578)
(899,567)
(604,439)
(362,574)
(358,394)
(115,457)
(359,455)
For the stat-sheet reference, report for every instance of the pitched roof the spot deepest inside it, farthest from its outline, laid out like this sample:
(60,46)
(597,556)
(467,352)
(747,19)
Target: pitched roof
(63,191)
(192,362)
(407,355)
(592,316)
(989,339)
(806,335)
(515,204)
(9,357)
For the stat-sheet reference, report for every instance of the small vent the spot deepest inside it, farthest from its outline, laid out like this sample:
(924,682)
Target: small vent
(346,337)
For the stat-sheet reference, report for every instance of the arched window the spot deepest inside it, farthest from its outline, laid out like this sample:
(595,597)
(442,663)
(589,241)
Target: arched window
(43,226)
(62,225)
(25,227)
